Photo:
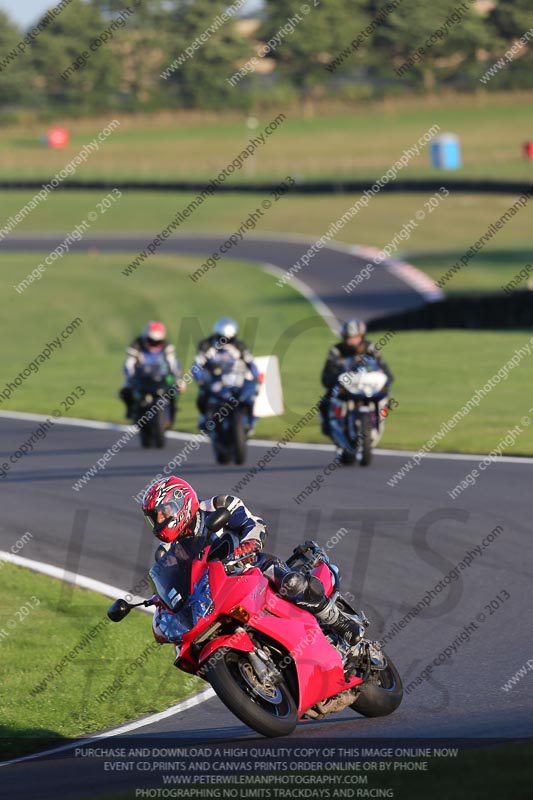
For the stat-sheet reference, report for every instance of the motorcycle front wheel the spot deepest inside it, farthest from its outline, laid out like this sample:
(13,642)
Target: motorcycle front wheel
(365,440)
(145,432)
(381,694)
(266,707)
(239,436)
(221,448)
(159,428)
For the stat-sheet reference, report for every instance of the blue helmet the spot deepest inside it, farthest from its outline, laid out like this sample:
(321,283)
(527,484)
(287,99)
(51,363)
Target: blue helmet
(226,327)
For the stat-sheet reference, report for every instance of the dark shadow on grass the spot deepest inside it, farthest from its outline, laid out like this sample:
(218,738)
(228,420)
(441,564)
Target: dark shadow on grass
(445,258)
(468,311)
(25,741)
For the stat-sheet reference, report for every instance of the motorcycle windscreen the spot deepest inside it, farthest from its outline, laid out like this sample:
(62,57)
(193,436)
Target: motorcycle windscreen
(170,577)
(151,376)
(232,370)
(234,378)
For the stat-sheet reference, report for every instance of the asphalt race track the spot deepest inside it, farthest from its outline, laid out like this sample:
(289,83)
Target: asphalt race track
(399,542)
(330,269)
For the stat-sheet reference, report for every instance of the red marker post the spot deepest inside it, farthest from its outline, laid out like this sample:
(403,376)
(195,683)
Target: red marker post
(58,138)
(528,150)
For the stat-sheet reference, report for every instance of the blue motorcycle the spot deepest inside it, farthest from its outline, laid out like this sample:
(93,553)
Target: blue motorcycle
(229,411)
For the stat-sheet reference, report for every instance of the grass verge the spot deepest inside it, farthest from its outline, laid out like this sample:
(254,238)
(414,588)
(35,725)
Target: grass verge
(436,371)
(437,242)
(52,687)
(334,143)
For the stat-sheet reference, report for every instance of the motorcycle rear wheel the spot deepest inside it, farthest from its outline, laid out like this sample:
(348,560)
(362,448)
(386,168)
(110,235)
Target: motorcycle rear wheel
(268,709)
(382,694)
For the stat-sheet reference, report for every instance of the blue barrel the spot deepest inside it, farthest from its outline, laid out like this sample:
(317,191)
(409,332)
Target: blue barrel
(446,151)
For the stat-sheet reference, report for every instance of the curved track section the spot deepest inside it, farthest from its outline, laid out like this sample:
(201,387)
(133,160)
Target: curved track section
(399,550)
(327,272)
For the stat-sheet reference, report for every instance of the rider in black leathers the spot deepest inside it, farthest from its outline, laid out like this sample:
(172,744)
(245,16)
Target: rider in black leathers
(346,355)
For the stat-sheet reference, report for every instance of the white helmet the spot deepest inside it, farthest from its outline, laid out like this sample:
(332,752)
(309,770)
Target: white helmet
(226,327)
(353,327)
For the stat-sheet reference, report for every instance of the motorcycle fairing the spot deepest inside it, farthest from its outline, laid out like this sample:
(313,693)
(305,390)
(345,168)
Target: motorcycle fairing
(319,667)
(240,640)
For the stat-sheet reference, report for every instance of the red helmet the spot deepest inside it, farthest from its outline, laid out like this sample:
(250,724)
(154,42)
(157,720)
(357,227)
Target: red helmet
(154,336)
(169,505)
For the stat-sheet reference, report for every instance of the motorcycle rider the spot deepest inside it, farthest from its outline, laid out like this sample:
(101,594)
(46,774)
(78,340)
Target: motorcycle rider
(221,349)
(172,509)
(149,348)
(344,356)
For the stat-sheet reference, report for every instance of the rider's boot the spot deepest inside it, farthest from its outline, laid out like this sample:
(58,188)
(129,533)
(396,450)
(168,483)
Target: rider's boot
(323,410)
(332,617)
(126,396)
(308,593)
(250,427)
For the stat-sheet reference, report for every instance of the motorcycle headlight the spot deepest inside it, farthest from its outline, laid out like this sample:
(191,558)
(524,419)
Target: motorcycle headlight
(172,626)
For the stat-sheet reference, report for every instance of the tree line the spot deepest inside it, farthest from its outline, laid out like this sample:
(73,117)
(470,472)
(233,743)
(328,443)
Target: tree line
(92,55)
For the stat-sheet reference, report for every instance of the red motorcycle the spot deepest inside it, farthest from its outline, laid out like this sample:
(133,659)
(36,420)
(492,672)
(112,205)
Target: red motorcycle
(268,660)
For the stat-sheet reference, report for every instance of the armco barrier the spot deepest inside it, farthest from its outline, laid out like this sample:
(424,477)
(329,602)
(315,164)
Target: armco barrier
(473,311)
(300,187)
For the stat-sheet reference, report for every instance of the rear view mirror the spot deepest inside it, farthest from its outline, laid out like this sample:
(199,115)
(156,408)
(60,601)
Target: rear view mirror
(217,519)
(118,610)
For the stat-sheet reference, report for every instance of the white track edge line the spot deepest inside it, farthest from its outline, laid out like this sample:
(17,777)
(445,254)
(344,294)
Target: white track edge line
(89,423)
(320,307)
(183,705)
(69,577)
(110,591)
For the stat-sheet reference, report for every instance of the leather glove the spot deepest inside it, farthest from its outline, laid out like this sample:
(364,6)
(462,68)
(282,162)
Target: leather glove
(249,548)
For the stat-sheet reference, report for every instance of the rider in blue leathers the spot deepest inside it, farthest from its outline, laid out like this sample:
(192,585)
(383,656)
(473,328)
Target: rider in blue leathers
(219,351)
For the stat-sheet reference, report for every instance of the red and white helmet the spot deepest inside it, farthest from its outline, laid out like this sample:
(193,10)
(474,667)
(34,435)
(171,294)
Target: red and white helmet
(154,335)
(169,506)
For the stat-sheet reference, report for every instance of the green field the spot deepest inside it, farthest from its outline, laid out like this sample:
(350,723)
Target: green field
(58,619)
(360,143)
(434,245)
(114,308)
(436,372)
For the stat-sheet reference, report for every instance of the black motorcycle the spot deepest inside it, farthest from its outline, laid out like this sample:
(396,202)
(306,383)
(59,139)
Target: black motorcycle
(153,406)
